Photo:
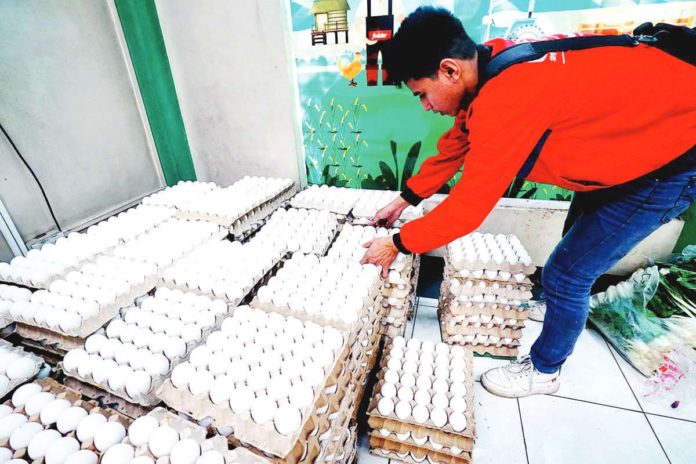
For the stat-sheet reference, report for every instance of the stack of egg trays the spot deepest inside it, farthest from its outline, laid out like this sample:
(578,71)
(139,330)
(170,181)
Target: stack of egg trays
(185,188)
(18,350)
(399,297)
(254,219)
(488,293)
(302,446)
(363,215)
(67,340)
(409,441)
(342,448)
(75,398)
(150,398)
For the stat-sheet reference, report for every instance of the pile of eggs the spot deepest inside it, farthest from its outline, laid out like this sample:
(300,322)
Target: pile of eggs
(129,224)
(371,201)
(321,287)
(16,366)
(349,245)
(263,366)
(9,294)
(307,231)
(426,384)
(223,269)
(41,266)
(232,203)
(54,429)
(136,352)
(338,200)
(484,340)
(150,440)
(178,194)
(168,241)
(498,250)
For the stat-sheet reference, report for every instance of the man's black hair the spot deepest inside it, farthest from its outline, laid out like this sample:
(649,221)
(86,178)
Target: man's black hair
(426,37)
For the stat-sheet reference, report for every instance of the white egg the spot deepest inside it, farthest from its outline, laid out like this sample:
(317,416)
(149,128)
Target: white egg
(175,348)
(82,457)
(141,429)
(41,442)
(263,409)
(22,394)
(88,426)
(391,376)
(6,455)
(36,403)
(5,410)
(21,369)
(119,377)
(420,413)
(186,451)
(121,453)
(60,449)
(138,384)
(385,406)
(287,420)
(440,385)
(69,419)
(102,370)
(388,390)
(22,435)
(438,417)
(241,399)
(402,410)
(108,434)
(162,440)
(156,365)
(422,397)
(199,384)
(440,400)
(51,412)
(458,421)
(182,374)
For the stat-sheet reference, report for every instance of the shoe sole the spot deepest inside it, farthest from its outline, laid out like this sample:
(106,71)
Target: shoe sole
(552,388)
(535,318)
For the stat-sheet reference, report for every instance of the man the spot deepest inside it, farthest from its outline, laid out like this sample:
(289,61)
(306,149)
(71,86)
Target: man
(615,124)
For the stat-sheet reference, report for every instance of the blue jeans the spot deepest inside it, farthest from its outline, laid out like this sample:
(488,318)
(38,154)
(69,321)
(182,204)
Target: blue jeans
(606,225)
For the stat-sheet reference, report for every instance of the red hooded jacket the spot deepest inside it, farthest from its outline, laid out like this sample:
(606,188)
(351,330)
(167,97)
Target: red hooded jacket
(615,114)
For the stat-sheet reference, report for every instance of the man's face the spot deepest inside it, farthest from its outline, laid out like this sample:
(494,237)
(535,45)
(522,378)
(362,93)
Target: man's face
(448,91)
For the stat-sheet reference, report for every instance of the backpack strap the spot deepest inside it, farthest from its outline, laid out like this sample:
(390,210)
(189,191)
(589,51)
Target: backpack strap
(530,51)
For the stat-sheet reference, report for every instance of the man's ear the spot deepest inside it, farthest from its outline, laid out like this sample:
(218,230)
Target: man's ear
(450,69)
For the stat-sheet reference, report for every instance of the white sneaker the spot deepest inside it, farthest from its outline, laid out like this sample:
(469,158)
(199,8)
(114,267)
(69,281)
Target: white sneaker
(537,310)
(520,378)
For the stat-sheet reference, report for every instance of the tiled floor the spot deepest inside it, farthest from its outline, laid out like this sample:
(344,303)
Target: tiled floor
(600,414)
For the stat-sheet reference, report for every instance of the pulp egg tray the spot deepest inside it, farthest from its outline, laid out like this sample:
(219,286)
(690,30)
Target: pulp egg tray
(182,191)
(149,398)
(481,321)
(404,452)
(9,294)
(13,374)
(506,311)
(487,275)
(185,430)
(74,398)
(341,447)
(68,339)
(263,437)
(428,426)
(507,349)
(481,287)
(463,267)
(455,328)
(426,444)
(370,301)
(392,331)
(244,456)
(339,200)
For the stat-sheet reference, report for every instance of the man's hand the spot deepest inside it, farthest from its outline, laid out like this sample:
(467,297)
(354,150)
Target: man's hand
(390,213)
(381,251)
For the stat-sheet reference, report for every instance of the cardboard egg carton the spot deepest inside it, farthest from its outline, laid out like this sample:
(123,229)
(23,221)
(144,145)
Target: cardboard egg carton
(505,350)
(489,275)
(392,331)
(407,453)
(38,364)
(505,311)
(75,398)
(426,445)
(264,436)
(482,287)
(435,440)
(428,426)
(339,200)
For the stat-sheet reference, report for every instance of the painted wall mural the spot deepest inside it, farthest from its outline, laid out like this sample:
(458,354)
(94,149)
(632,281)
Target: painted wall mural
(360,131)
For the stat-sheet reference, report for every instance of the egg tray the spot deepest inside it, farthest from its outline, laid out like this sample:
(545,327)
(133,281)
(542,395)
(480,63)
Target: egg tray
(265,436)
(66,339)
(244,456)
(520,313)
(428,447)
(75,398)
(452,273)
(150,397)
(392,331)
(394,430)
(107,399)
(456,338)
(453,267)
(505,351)
(407,453)
(341,449)
(427,426)
(246,222)
(38,364)
(496,330)
(518,292)
(370,300)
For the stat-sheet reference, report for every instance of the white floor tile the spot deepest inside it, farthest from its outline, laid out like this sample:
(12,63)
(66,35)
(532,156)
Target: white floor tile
(651,403)
(497,422)
(673,434)
(559,430)
(427,326)
(364,455)
(423,301)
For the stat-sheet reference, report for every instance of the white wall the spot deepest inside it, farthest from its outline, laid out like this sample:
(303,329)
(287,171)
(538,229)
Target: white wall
(538,224)
(67,100)
(231,68)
